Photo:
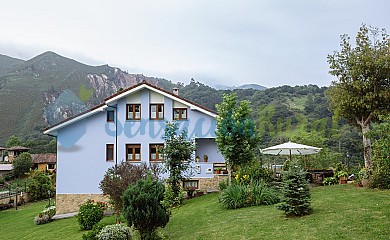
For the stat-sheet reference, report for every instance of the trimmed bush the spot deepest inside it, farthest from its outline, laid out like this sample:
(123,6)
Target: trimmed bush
(41,219)
(115,232)
(90,213)
(50,211)
(142,207)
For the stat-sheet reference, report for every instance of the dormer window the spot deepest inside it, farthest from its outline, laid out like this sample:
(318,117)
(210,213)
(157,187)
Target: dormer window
(156,111)
(133,111)
(180,114)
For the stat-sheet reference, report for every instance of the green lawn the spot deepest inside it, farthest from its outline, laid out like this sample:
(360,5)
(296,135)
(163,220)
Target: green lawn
(340,212)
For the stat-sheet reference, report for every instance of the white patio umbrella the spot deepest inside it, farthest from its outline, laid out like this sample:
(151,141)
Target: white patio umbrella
(290,148)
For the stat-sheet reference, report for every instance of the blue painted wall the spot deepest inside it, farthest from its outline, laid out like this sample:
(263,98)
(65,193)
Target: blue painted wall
(81,146)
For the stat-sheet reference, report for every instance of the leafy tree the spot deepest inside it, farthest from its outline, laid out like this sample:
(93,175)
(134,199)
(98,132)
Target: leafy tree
(178,152)
(361,91)
(40,184)
(116,181)
(296,201)
(22,164)
(142,207)
(13,141)
(236,135)
(381,153)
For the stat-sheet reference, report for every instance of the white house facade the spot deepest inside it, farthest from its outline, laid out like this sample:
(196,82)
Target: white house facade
(129,126)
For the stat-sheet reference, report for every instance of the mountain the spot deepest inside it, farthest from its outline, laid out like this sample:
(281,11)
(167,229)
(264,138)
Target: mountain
(8,63)
(244,86)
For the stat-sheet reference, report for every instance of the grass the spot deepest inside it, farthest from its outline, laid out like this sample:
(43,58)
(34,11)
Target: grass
(340,212)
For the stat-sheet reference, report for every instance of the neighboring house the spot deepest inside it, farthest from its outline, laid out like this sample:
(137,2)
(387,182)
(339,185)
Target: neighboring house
(44,162)
(5,169)
(13,152)
(129,126)
(2,153)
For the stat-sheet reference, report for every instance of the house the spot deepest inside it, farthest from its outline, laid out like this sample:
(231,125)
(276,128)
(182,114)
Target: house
(129,126)
(13,152)
(44,162)
(5,169)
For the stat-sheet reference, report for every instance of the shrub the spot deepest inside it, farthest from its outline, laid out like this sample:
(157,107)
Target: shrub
(329,181)
(40,184)
(90,213)
(92,235)
(296,193)
(255,172)
(21,164)
(223,184)
(142,207)
(50,211)
(2,180)
(115,232)
(41,219)
(262,194)
(169,200)
(235,196)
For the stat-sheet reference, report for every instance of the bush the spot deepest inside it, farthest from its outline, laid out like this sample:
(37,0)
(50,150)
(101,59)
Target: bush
(234,196)
(41,219)
(223,184)
(170,201)
(142,207)
(115,232)
(255,172)
(296,193)
(40,184)
(254,194)
(92,235)
(2,180)
(329,181)
(50,211)
(90,213)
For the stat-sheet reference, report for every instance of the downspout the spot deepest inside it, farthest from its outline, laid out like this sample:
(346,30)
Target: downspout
(116,136)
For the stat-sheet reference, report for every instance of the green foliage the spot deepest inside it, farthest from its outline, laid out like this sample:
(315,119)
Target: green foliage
(255,171)
(84,93)
(92,235)
(362,89)
(223,185)
(296,193)
(116,181)
(381,149)
(236,132)
(115,232)
(13,141)
(21,164)
(170,200)
(45,216)
(90,213)
(178,152)
(40,184)
(142,207)
(329,181)
(234,196)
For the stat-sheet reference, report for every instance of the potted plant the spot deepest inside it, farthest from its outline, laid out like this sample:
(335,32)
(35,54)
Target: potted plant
(217,170)
(197,159)
(205,158)
(342,176)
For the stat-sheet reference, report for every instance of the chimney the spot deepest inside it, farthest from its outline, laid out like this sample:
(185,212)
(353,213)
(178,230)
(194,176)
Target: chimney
(175,91)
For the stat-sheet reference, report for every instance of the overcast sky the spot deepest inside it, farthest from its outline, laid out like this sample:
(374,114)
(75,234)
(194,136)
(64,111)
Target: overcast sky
(227,42)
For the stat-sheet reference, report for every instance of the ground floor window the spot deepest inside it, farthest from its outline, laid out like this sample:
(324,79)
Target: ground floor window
(191,184)
(133,152)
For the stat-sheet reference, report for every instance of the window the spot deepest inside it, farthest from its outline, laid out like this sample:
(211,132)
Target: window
(50,166)
(133,111)
(156,111)
(156,153)
(179,113)
(109,152)
(133,152)
(191,184)
(110,115)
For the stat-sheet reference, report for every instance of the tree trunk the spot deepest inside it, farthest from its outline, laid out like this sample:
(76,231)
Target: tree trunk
(367,146)
(230,171)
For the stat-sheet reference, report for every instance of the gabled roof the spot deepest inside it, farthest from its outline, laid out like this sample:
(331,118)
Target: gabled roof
(44,158)
(111,100)
(18,148)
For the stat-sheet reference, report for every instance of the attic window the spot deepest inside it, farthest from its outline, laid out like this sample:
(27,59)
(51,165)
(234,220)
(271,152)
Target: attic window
(110,115)
(179,113)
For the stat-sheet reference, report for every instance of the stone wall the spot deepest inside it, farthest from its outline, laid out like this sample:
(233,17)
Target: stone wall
(68,203)
(211,184)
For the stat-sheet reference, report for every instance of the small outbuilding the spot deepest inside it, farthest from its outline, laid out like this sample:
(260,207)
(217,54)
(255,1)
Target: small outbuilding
(45,161)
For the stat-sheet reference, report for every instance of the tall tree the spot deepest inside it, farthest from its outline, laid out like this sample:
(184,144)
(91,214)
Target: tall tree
(178,152)
(236,134)
(362,88)
(22,164)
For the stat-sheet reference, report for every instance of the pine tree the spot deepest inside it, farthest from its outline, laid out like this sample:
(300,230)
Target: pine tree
(296,200)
